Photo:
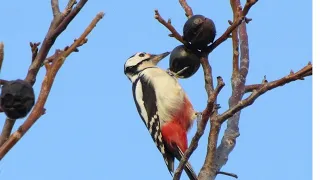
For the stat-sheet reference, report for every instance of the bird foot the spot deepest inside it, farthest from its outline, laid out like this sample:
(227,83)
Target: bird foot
(199,116)
(177,74)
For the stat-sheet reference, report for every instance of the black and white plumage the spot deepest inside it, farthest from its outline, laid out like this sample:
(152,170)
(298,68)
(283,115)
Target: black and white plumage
(162,105)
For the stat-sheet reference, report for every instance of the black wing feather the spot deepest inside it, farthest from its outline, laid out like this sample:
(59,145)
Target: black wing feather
(153,121)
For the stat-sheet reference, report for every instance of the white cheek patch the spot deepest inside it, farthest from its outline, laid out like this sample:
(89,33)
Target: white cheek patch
(133,61)
(136,59)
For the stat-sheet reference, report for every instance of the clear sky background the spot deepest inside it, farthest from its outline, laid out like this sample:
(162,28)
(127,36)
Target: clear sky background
(91,129)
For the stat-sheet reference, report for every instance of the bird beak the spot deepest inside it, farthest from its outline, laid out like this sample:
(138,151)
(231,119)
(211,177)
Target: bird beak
(156,58)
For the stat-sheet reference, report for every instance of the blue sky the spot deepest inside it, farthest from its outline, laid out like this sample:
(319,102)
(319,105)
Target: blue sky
(91,129)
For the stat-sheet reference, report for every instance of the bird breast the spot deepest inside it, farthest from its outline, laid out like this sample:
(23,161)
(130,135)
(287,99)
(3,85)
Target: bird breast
(170,95)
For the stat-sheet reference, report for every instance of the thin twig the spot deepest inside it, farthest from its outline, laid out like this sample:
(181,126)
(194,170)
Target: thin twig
(34,50)
(167,24)
(225,35)
(207,70)
(252,87)
(65,22)
(1,54)
(247,7)
(186,8)
(45,90)
(6,130)
(56,28)
(228,174)
(68,8)
(233,26)
(54,56)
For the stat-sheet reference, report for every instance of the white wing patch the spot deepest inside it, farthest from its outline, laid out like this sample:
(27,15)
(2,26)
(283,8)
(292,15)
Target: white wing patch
(139,99)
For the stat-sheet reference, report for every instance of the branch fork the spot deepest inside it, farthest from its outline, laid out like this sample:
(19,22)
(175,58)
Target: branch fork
(52,64)
(217,156)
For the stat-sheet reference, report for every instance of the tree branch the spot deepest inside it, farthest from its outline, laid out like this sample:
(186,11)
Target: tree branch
(238,81)
(168,25)
(45,89)
(58,24)
(217,157)
(34,50)
(228,174)
(211,106)
(235,43)
(302,73)
(248,5)
(6,130)
(55,8)
(1,54)
(186,8)
(9,123)
(233,26)
(69,7)
(69,17)
(217,42)
(200,128)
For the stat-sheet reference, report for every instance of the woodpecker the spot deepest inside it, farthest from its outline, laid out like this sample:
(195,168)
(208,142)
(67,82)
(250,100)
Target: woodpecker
(162,105)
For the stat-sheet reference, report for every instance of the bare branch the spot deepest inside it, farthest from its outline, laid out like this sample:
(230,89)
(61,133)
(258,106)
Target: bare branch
(304,72)
(217,42)
(228,174)
(247,6)
(186,8)
(6,130)
(174,32)
(51,58)
(1,54)
(244,49)
(207,70)
(201,125)
(225,35)
(233,26)
(207,171)
(250,88)
(69,7)
(56,28)
(58,25)
(47,83)
(34,50)
(65,22)
(55,7)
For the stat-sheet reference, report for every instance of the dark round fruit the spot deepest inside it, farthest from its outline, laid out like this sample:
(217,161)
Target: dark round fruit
(182,57)
(199,31)
(17,99)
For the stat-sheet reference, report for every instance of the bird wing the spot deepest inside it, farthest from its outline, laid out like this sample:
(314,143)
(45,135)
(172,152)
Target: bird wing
(146,103)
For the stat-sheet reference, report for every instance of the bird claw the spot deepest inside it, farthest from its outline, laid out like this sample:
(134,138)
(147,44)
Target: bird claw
(177,74)
(199,116)
(216,106)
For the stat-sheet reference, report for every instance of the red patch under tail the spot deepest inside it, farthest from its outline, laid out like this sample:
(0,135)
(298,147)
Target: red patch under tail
(174,134)
(184,115)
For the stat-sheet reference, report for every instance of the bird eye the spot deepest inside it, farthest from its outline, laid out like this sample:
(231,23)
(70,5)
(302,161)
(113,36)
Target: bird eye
(142,54)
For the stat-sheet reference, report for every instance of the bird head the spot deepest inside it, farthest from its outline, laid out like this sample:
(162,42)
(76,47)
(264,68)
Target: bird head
(140,61)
